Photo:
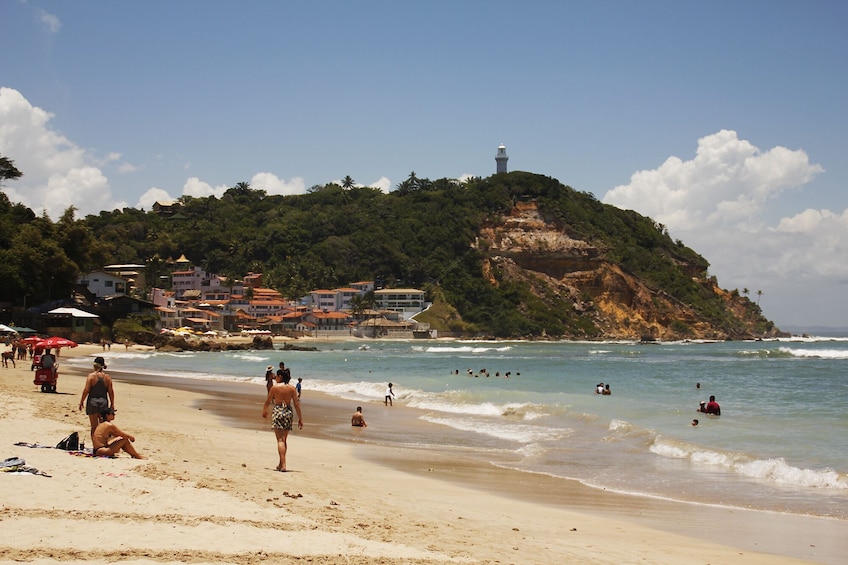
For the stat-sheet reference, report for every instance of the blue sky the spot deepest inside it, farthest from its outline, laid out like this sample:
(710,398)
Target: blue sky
(726,121)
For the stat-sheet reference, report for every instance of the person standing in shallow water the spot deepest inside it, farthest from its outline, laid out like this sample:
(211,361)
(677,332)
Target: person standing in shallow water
(713,407)
(269,377)
(283,396)
(389,394)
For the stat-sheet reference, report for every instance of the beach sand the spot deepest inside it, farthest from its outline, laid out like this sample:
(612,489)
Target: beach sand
(206,492)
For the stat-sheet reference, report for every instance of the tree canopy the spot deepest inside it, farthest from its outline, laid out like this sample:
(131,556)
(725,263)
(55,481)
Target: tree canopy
(420,235)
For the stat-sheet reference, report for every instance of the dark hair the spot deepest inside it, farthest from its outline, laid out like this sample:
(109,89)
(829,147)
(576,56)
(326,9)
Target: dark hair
(359,408)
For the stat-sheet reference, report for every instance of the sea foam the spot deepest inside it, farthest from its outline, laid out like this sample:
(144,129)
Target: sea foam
(775,470)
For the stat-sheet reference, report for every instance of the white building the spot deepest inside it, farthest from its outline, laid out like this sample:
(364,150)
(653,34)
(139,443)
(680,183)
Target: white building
(101,283)
(190,279)
(408,301)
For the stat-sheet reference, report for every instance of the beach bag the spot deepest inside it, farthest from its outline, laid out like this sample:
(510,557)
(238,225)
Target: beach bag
(70,443)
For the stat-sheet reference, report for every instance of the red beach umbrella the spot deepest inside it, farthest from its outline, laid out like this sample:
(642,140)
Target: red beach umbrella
(31,340)
(57,341)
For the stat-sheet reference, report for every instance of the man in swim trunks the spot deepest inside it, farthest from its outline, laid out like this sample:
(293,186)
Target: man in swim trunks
(283,396)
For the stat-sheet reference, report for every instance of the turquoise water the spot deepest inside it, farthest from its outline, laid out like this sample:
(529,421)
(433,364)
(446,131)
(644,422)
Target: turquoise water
(780,444)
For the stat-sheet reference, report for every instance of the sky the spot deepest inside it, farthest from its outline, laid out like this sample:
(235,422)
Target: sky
(725,121)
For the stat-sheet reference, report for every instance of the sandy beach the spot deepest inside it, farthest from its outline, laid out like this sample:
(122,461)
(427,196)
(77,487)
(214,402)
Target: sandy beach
(206,492)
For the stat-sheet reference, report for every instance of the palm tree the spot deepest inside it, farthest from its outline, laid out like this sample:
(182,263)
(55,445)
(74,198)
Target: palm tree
(759,294)
(348,182)
(410,184)
(745,291)
(357,305)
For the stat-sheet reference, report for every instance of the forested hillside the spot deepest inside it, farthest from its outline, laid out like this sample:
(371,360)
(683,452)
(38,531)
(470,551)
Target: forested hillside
(425,234)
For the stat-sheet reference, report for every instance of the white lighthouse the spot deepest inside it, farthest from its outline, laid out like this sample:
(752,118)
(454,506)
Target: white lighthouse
(501,158)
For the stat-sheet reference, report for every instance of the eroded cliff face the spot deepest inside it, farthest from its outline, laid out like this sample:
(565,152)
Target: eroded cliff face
(524,247)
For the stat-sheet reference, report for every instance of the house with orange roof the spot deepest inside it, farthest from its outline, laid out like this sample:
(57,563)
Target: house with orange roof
(333,322)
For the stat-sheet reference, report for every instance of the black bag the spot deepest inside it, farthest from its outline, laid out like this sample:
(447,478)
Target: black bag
(70,443)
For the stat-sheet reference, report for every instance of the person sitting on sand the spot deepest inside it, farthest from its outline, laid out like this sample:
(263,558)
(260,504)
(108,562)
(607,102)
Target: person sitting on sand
(357,420)
(109,439)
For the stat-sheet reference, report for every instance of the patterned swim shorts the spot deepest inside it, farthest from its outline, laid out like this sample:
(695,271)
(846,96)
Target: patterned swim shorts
(282,417)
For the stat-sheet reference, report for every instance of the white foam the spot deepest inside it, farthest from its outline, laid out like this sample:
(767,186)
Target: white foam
(816,353)
(465,349)
(522,411)
(520,433)
(772,470)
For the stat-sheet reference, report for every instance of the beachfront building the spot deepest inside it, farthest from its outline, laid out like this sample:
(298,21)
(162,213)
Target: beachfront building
(336,299)
(329,323)
(72,323)
(323,299)
(187,280)
(161,297)
(269,304)
(407,301)
(362,286)
(168,318)
(344,297)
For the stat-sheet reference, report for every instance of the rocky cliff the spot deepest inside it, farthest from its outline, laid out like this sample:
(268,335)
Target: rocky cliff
(611,303)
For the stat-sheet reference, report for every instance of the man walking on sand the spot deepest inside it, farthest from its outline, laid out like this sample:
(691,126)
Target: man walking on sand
(283,396)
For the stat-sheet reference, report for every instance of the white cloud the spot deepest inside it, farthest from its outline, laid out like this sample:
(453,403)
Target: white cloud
(383,183)
(57,173)
(728,182)
(715,203)
(273,185)
(50,21)
(197,188)
(151,197)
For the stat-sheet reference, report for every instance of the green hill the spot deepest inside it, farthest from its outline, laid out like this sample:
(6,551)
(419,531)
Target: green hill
(512,255)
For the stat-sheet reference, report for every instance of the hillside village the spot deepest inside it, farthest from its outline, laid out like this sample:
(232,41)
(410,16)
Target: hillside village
(201,302)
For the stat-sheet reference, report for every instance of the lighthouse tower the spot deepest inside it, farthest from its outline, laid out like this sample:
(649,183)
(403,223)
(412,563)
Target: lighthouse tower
(501,158)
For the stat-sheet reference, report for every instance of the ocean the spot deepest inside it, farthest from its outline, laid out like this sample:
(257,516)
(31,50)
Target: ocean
(781,443)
